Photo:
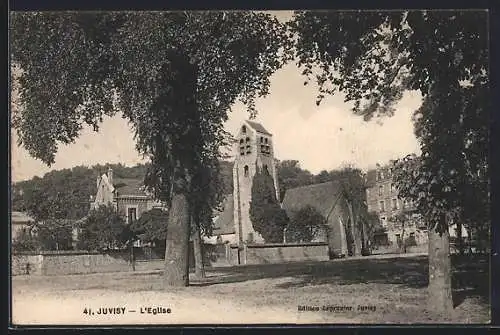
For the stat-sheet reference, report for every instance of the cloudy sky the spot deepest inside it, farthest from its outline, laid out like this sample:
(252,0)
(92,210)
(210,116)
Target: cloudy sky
(324,137)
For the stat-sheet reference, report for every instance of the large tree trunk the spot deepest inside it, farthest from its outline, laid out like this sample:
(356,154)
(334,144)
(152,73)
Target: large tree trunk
(198,253)
(177,243)
(439,290)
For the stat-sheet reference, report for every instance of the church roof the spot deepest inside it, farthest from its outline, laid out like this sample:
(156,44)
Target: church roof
(224,224)
(129,186)
(322,196)
(258,127)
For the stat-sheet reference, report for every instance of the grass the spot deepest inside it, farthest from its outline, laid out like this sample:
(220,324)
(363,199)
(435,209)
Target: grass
(395,287)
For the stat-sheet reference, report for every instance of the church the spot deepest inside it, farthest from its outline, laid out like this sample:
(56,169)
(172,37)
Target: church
(254,151)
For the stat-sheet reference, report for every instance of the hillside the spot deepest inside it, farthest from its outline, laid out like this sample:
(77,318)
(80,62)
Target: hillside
(66,192)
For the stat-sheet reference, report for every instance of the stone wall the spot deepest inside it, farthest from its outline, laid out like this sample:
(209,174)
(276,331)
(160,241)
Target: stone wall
(25,264)
(279,253)
(69,262)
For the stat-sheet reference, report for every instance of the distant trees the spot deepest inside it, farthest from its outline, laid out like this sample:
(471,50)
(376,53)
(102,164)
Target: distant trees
(304,225)
(291,175)
(268,219)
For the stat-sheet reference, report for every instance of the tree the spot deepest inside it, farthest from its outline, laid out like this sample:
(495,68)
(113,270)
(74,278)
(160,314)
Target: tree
(173,75)
(53,234)
(151,227)
(291,175)
(268,219)
(104,229)
(305,225)
(25,241)
(373,58)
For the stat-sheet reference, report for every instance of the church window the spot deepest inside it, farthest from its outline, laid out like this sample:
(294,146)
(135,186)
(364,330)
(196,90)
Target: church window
(245,170)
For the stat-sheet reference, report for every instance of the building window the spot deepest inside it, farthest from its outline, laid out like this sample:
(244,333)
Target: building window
(131,214)
(248,149)
(381,190)
(265,140)
(384,222)
(382,206)
(242,141)
(394,204)
(261,139)
(266,169)
(250,238)
(393,187)
(244,129)
(242,151)
(245,171)
(247,139)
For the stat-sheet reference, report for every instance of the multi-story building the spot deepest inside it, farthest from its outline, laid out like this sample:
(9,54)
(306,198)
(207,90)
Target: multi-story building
(383,199)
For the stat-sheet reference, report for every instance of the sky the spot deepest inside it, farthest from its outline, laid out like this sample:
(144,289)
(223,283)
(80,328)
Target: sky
(321,137)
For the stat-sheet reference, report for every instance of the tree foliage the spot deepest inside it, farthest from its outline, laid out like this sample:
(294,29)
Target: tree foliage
(103,229)
(151,226)
(268,219)
(173,75)
(372,58)
(304,225)
(291,175)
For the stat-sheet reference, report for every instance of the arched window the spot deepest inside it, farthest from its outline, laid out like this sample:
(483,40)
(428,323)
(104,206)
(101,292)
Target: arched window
(245,170)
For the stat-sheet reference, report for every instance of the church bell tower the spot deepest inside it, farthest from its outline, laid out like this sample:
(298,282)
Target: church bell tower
(253,150)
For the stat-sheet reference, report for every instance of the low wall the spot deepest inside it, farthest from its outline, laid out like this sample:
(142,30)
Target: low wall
(280,253)
(69,262)
(26,264)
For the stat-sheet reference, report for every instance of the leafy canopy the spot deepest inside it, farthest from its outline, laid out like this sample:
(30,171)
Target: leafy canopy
(373,57)
(305,224)
(104,228)
(268,219)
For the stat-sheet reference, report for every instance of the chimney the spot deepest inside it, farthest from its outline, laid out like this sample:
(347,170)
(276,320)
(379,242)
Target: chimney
(110,176)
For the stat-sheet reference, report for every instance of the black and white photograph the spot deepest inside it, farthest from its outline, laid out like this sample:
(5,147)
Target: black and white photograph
(242,167)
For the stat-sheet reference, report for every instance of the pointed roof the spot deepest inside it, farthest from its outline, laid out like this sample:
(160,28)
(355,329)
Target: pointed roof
(129,186)
(322,196)
(258,127)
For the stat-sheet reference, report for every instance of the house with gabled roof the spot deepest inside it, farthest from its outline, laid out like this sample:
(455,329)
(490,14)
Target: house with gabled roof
(328,199)
(127,195)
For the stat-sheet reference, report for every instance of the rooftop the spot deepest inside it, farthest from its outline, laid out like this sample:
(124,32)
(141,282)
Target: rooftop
(322,196)
(258,127)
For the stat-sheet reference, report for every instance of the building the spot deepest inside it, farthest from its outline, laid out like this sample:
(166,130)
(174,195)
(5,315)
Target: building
(127,195)
(253,150)
(20,223)
(328,199)
(224,228)
(382,198)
